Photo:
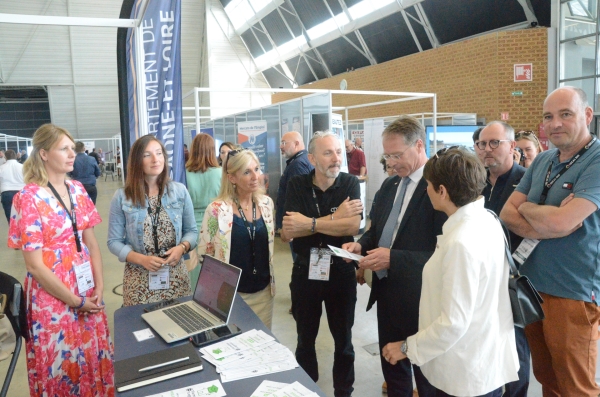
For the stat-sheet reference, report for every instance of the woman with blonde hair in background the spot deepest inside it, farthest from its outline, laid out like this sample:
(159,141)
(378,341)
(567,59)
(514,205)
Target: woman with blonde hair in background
(242,217)
(530,145)
(151,226)
(203,176)
(68,347)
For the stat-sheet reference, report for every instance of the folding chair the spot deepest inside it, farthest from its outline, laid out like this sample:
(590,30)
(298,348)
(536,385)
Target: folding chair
(16,314)
(109,168)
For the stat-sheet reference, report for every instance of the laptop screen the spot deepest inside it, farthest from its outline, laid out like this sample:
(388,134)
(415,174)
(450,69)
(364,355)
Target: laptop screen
(217,286)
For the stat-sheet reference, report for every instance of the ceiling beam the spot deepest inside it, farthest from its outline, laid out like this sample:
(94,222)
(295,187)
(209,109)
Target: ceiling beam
(67,21)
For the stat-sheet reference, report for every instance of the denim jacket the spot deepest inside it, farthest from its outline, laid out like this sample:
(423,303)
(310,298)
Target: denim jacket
(126,220)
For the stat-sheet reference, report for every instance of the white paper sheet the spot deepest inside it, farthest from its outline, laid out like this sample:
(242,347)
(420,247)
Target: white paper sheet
(267,387)
(213,389)
(244,341)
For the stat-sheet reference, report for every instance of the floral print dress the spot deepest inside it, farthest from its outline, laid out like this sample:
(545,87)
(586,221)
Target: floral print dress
(68,353)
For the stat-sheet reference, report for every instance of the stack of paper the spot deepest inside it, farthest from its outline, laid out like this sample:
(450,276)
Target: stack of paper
(276,389)
(206,389)
(252,353)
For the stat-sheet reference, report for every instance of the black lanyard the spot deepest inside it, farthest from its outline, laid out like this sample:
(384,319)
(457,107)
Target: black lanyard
(252,233)
(316,202)
(71,214)
(154,218)
(549,183)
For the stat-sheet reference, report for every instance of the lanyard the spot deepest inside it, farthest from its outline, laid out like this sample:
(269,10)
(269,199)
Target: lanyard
(154,218)
(72,216)
(252,233)
(316,201)
(549,183)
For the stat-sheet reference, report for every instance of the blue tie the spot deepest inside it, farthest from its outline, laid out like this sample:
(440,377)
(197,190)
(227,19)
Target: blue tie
(388,230)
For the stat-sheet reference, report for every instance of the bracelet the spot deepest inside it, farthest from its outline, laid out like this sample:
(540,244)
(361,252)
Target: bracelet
(185,250)
(314,225)
(81,304)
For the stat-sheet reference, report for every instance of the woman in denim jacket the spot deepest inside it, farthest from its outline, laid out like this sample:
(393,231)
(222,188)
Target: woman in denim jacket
(151,227)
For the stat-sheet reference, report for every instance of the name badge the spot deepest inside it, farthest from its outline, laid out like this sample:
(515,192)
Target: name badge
(525,249)
(84,276)
(320,264)
(159,279)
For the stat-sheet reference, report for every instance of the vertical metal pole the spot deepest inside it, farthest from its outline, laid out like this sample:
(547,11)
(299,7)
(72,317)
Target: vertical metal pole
(434,124)
(197,109)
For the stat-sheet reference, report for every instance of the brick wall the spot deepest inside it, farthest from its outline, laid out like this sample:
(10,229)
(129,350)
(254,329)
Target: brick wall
(472,76)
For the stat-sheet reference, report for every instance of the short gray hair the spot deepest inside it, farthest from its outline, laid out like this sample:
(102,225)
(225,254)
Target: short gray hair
(509,131)
(316,136)
(408,127)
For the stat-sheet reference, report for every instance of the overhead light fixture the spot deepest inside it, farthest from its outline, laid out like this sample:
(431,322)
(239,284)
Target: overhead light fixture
(366,7)
(328,26)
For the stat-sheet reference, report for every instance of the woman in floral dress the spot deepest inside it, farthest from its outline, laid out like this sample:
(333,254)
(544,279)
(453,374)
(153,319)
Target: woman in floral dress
(69,350)
(151,226)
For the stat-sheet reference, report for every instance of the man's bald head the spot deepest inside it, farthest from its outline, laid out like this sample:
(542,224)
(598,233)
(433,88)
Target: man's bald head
(291,143)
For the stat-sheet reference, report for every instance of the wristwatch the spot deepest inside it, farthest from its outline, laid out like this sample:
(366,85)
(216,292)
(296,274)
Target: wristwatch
(404,348)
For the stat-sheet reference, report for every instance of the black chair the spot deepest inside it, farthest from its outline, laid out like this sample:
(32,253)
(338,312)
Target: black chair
(16,315)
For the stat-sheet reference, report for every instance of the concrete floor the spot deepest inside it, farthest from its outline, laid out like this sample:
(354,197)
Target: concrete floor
(367,367)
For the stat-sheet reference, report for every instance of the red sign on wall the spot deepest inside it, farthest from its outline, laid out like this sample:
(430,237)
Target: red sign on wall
(504,116)
(523,72)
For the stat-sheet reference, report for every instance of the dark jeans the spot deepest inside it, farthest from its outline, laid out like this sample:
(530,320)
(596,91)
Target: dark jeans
(92,192)
(519,387)
(495,393)
(339,295)
(398,377)
(7,198)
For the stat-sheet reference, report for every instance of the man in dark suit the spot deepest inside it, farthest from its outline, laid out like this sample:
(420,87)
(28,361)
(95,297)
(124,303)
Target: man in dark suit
(497,143)
(400,240)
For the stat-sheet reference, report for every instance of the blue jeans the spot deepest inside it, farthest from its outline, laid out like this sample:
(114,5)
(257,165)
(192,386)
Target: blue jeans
(7,198)
(339,295)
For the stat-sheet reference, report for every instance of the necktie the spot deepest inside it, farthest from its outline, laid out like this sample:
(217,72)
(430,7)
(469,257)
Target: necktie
(388,230)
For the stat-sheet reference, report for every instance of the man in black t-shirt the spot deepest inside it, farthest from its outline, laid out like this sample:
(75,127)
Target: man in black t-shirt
(323,208)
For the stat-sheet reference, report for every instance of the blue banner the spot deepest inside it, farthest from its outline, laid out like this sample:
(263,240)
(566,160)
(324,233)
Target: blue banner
(161,71)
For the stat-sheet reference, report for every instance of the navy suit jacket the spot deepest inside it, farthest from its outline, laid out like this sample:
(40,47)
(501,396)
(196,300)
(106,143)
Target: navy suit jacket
(414,244)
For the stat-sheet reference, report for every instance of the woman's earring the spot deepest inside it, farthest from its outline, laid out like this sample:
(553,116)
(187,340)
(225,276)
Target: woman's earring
(234,186)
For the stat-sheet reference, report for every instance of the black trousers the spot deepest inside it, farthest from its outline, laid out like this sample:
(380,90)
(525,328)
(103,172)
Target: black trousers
(398,377)
(519,387)
(92,192)
(7,198)
(339,296)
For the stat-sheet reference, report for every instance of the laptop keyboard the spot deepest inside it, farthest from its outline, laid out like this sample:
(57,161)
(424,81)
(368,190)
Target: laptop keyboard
(187,318)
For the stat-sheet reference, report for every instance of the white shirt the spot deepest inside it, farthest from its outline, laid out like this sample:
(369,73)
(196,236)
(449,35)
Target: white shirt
(466,340)
(415,178)
(2,160)
(11,176)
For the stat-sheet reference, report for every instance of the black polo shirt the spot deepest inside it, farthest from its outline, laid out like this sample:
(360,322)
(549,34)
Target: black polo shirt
(299,198)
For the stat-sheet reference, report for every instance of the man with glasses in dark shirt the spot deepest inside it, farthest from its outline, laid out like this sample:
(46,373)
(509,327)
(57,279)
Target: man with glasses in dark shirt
(497,144)
(85,170)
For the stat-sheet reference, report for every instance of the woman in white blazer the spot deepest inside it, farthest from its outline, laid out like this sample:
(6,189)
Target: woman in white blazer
(466,340)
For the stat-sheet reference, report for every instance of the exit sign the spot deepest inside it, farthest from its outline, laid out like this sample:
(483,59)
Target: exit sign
(517,93)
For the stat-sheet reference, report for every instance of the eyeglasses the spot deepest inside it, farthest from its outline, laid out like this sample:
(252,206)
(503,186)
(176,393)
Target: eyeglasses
(398,156)
(494,143)
(443,151)
(232,153)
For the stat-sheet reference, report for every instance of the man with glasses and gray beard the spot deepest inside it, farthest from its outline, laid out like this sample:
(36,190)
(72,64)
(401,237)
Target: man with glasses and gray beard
(497,144)
(323,208)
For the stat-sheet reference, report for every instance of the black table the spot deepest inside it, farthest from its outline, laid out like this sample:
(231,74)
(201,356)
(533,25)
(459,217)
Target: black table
(129,319)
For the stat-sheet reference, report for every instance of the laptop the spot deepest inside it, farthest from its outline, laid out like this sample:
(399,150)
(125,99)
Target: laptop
(209,308)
